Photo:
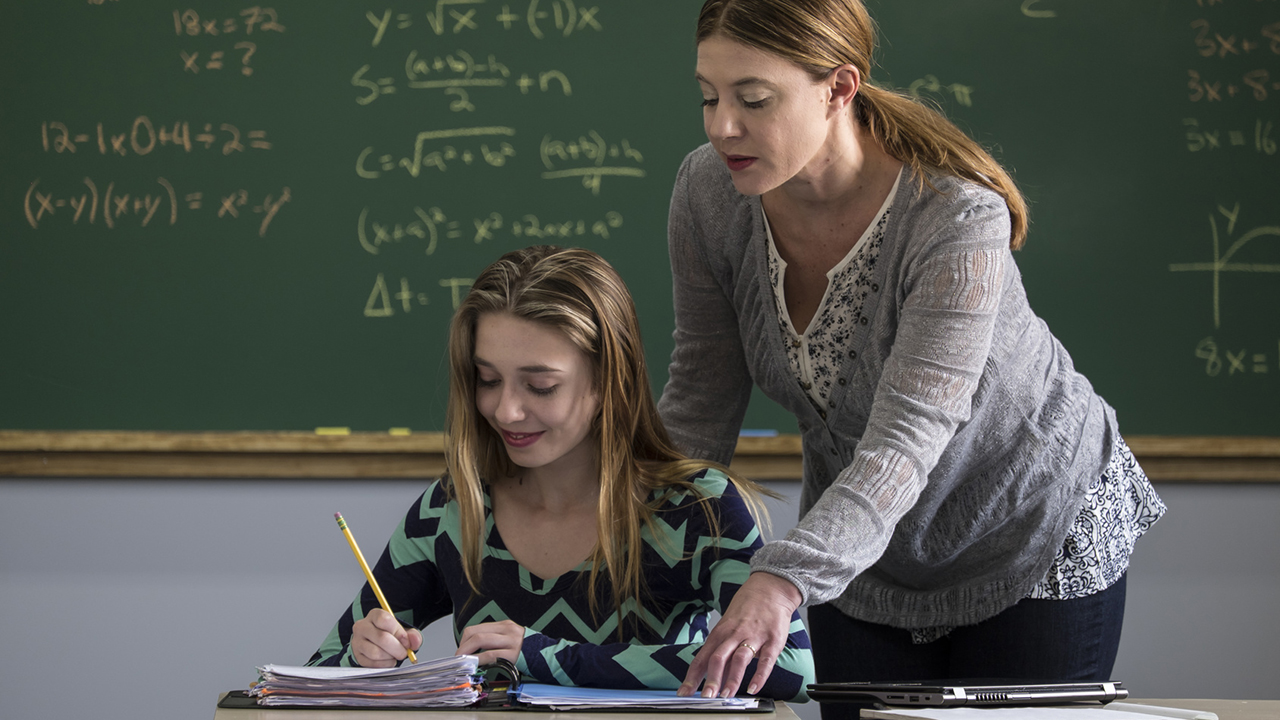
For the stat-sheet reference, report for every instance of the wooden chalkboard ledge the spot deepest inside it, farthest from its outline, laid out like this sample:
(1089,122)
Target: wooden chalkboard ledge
(106,454)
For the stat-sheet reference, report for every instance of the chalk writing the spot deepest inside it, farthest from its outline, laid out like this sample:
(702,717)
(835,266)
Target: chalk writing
(592,151)
(1260,138)
(456,75)
(192,62)
(117,205)
(189,22)
(930,83)
(429,226)
(1212,43)
(144,137)
(383,302)
(1039,9)
(1240,361)
(541,18)
(1257,84)
(1224,262)
(531,226)
(426,155)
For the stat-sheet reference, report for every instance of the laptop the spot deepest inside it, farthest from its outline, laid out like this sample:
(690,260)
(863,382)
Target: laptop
(978,693)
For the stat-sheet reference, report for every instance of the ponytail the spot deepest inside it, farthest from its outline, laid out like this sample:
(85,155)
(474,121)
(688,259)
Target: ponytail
(921,137)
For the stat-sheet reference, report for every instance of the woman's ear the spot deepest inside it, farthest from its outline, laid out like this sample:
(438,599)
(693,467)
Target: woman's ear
(843,84)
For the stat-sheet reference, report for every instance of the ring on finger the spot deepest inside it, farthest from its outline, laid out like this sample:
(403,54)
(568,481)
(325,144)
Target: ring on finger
(746,645)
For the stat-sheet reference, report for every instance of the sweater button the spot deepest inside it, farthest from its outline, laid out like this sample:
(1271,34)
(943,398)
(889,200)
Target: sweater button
(795,343)
(863,320)
(875,287)
(842,381)
(853,354)
(822,414)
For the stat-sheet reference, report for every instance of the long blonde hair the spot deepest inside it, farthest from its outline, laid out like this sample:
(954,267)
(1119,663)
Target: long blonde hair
(820,35)
(578,293)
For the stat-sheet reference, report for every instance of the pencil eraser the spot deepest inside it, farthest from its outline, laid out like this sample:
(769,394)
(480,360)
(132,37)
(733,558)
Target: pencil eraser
(333,431)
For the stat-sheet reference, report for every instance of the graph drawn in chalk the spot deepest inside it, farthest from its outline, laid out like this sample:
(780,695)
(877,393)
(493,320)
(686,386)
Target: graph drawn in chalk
(1222,262)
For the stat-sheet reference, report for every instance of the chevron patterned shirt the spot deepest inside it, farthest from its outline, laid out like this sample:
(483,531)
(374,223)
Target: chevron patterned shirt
(689,572)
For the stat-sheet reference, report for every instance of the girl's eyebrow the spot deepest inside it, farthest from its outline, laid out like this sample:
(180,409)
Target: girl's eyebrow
(526,368)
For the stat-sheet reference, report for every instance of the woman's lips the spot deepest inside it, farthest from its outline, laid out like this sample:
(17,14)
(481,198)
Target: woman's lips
(520,440)
(738,162)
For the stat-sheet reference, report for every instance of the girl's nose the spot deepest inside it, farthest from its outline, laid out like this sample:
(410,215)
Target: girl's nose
(509,409)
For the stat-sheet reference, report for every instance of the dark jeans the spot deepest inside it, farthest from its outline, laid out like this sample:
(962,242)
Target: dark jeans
(1048,640)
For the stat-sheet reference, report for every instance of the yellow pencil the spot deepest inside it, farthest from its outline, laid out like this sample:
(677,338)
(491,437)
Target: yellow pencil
(368,573)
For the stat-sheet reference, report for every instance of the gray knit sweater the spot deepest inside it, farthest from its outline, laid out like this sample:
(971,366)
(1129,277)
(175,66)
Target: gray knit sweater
(957,443)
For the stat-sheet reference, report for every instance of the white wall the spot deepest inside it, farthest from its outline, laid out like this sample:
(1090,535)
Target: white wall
(134,600)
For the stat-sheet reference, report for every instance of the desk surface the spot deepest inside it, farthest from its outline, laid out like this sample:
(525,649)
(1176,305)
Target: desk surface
(1226,709)
(781,712)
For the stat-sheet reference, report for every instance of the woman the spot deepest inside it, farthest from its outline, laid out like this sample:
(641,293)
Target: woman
(968,505)
(567,536)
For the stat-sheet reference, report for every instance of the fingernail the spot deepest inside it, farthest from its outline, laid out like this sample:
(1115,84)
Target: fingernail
(709,691)
(752,690)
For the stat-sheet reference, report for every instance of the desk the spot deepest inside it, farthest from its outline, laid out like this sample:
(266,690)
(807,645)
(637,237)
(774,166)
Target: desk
(1226,709)
(781,712)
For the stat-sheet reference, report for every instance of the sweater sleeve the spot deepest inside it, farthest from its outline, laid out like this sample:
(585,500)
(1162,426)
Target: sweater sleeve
(408,576)
(709,385)
(952,290)
(663,666)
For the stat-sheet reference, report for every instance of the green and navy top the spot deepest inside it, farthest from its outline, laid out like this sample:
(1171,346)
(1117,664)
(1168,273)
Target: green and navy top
(688,571)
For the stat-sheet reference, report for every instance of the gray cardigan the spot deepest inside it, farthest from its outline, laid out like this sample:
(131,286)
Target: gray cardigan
(958,442)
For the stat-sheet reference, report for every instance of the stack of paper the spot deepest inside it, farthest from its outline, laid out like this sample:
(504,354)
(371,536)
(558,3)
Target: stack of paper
(447,682)
(576,698)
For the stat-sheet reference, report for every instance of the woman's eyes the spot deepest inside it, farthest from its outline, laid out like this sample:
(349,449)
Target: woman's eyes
(753,104)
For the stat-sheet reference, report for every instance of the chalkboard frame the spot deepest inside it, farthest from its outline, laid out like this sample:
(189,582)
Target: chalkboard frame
(916,46)
(115,454)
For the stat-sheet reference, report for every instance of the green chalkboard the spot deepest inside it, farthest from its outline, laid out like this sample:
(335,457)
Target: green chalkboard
(222,216)
(1144,134)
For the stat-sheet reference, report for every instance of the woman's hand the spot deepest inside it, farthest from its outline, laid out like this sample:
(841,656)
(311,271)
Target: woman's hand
(378,640)
(492,640)
(754,626)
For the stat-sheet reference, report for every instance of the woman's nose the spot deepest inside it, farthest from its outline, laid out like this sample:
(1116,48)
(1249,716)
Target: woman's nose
(722,123)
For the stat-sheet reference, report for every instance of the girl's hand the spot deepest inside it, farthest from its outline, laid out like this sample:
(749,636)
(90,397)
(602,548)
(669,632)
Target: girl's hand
(378,640)
(492,640)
